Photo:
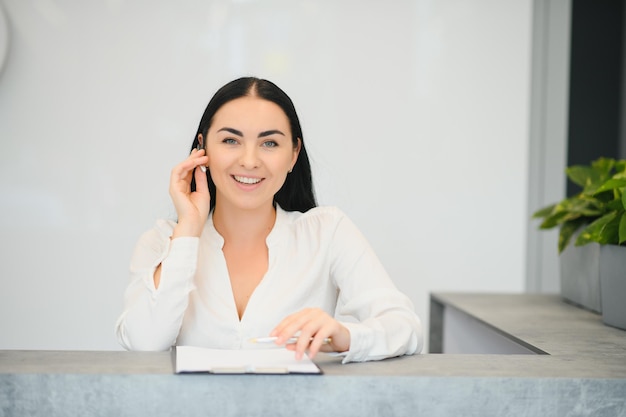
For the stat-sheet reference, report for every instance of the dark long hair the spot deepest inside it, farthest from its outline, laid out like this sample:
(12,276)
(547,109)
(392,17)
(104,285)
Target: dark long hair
(297,193)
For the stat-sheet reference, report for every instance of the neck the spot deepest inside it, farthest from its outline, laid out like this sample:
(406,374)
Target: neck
(241,226)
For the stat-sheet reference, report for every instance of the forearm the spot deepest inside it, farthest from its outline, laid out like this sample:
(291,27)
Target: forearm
(384,337)
(153,316)
(390,328)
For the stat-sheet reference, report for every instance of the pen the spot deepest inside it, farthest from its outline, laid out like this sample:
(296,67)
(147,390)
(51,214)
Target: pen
(287,342)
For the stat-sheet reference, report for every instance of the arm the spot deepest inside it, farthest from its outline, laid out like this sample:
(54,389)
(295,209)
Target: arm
(164,264)
(373,320)
(153,316)
(382,320)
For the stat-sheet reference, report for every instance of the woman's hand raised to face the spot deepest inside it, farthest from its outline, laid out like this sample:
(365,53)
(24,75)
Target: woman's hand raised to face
(192,207)
(315,326)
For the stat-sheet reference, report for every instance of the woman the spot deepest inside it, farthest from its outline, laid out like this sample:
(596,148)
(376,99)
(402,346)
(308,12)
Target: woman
(251,255)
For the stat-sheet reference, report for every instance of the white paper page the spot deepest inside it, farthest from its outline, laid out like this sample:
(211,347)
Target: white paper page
(280,360)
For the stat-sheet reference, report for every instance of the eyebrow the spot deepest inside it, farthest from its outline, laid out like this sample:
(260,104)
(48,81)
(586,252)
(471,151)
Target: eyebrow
(261,135)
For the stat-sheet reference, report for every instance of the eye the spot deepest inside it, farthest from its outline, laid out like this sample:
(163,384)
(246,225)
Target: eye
(270,144)
(229,141)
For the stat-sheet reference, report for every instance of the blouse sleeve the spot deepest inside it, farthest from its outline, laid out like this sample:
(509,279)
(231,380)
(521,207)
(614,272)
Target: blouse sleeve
(384,321)
(152,317)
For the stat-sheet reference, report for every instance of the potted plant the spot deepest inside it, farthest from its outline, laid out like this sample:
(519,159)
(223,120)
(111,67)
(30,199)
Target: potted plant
(595,218)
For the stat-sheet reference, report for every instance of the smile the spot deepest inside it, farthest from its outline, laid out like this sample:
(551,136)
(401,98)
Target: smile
(246,180)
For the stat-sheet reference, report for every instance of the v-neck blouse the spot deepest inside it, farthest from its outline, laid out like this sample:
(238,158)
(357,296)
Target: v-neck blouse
(316,259)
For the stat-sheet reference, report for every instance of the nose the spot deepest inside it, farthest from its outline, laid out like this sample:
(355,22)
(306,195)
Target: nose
(249,158)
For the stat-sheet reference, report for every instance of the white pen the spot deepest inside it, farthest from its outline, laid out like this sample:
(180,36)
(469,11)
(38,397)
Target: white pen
(289,341)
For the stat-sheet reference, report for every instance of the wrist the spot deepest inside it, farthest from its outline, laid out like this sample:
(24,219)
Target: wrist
(186,229)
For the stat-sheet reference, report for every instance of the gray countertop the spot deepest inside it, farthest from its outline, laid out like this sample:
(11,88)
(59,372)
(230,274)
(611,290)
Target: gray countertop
(577,343)
(583,373)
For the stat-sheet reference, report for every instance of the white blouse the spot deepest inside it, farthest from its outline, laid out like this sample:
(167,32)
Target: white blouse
(316,259)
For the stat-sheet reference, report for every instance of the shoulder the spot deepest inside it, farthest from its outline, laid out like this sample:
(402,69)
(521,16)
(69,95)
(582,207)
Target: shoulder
(326,216)
(159,234)
(153,243)
(163,228)
(325,222)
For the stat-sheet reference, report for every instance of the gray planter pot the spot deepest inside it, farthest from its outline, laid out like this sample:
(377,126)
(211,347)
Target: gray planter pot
(593,277)
(580,275)
(613,285)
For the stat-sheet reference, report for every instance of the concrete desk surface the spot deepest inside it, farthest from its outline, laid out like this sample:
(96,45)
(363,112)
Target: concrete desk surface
(582,374)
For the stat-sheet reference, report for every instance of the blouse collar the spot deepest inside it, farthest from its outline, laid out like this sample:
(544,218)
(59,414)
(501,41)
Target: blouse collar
(273,238)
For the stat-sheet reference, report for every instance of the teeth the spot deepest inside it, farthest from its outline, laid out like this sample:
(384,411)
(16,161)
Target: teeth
(246,180)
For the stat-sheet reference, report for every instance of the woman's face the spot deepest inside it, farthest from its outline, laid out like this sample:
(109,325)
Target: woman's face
(250,152)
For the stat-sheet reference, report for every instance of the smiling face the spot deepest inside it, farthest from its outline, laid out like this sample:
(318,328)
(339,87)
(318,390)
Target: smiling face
(250,152)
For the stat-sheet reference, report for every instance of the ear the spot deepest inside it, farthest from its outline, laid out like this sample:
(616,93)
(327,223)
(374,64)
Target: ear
(202,146)
(296,152)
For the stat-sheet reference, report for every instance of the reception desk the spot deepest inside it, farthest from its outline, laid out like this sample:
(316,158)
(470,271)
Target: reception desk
(570,364)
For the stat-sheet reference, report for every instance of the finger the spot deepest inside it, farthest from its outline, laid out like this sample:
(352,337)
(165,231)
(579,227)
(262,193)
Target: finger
(310,325)
(201,198)
(200,161)
(290,326)
(183,171)
(304,340)
(313,333)
(279,329)
(180,184)
(195,158)
(320,339)
(179,179)
(201,180)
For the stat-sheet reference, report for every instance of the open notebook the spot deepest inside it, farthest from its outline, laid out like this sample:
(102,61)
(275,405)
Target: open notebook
(242,361)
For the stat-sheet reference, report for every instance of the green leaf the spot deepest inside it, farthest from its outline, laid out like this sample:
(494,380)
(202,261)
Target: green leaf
(591,177)
(553,220)
(600,208)
(583,175)
(604,230)
(622,229)
(567,231)
(580,206)
(615,205)
(544,212)
(620,167)
(611,184)
(603,164)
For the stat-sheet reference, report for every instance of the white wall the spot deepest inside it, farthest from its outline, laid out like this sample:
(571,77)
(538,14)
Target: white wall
(415,114)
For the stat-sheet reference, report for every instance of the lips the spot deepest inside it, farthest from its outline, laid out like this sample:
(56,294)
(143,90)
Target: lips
(246,180)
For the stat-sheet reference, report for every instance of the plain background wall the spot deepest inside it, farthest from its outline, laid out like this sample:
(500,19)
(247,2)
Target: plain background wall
(415,115)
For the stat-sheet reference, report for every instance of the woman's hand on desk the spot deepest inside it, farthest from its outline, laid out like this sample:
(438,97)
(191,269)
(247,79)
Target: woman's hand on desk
(313,326)
(192,207)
